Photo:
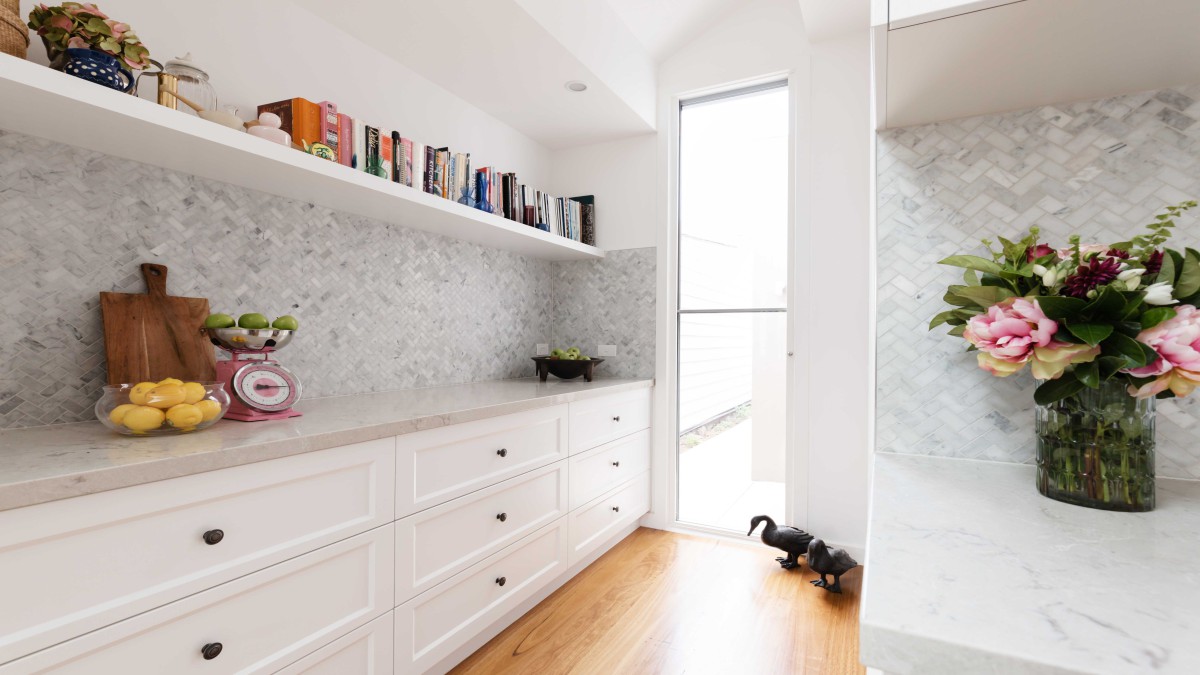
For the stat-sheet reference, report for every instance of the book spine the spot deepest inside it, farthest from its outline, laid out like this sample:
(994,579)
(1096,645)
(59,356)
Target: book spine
(430,168)
(372,152)
(306,123)
(281,108)
(385,155)
(345,139)
(418,166)
(358,156)
(397,158)
(329,126)
(407,166)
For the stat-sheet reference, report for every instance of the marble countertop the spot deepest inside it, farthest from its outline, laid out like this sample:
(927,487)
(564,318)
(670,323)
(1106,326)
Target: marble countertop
(43,464)
(970,570)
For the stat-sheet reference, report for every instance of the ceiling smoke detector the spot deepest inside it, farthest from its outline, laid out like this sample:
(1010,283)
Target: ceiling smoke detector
(576,86)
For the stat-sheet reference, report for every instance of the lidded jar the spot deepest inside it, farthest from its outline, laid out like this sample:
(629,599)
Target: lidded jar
(192,83)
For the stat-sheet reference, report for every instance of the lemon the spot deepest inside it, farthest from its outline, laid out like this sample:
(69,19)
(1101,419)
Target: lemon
(143,418)
(137,395)
(208,408)
(184,416)
(170,380)
(166,395)
(118,413)
(193,391)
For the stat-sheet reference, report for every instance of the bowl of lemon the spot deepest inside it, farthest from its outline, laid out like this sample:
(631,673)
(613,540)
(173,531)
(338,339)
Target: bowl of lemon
(170,406)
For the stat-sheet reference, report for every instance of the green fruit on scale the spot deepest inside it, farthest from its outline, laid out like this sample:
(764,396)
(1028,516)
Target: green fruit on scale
(219,321)
(286,322)
(253,320)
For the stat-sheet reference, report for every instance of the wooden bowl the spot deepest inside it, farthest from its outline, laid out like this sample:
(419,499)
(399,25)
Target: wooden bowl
(565,369)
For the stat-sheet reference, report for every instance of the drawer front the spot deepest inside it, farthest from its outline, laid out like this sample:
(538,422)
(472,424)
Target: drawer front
(435,544)
(438,465)
(262,621)
(76,565)
(601,469)
(594,523)
(596,421)
(364,651)
(432,625)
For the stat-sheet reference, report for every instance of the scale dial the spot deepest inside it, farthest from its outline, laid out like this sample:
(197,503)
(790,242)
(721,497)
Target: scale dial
(266,386)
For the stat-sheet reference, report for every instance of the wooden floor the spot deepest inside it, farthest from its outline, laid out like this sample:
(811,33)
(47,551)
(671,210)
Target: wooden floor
(660,602)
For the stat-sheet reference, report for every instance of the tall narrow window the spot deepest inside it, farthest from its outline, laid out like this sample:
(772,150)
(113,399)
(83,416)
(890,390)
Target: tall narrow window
(733,262)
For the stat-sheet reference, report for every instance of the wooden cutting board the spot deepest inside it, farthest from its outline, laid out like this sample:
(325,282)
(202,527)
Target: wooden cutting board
(153,336)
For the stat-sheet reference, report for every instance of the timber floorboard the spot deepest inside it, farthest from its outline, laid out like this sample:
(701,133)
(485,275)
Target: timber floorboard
(660,602)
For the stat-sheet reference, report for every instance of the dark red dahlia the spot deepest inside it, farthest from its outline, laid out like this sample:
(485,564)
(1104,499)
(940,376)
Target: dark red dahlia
(1154,263)
(1039,251)
(1117,253)
(1093,274)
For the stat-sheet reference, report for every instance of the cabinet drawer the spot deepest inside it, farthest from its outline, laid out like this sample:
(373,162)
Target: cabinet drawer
(594,523)
(75,565)
(262,621)
(601,469)
(436,543)
(432,625)
(364,651)
(596,421)
(438,465)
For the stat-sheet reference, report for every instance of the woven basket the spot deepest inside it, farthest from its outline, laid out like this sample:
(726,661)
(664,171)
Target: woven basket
(13,6)
(14,35)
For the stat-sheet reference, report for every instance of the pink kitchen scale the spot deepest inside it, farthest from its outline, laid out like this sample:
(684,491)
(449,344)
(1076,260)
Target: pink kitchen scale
(262,388)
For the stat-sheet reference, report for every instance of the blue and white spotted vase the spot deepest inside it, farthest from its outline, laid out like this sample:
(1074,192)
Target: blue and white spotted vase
(99,67)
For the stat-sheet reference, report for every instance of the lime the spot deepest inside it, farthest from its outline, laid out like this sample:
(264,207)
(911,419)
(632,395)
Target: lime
(219,321)
(253,320)
(286,322)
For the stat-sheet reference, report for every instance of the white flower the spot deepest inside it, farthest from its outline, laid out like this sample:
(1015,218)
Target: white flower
(1160,294)
(1052,276)
(1131,278)
(1039,270)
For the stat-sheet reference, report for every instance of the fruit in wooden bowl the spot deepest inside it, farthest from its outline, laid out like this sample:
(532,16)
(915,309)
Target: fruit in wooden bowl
(169,406)
(566,369)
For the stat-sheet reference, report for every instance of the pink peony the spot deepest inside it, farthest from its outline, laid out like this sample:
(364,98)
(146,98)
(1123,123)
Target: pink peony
(1016,332)
(117,28)
(1177,341)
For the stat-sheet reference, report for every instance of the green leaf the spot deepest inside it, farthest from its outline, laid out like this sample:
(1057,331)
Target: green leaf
(1109,366)
(984,296)
(1135,353)
(1108,303)
(1056,390)
(941,318)
(972,262)
(1155,316)
(1189,275)
(1060,307)
(970,278)
(1089,374)
(1167,273)
(958,331)
(951,297)
(1091,333)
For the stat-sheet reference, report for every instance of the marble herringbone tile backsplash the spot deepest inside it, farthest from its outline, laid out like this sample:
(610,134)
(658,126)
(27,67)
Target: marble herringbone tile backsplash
(381,306)
(1099,168)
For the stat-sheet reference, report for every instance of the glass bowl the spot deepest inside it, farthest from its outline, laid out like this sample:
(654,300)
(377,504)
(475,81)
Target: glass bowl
(161,409)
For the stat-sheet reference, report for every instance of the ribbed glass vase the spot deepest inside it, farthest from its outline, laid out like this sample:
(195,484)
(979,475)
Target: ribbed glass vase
(1096,449)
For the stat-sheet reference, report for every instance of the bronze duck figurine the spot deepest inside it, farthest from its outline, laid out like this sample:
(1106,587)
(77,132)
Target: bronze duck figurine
(824,560)
(790,540)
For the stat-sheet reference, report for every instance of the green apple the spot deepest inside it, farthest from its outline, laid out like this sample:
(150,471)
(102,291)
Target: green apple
(585,358)
(286,322)
(574,350)
(219,321)
(570,356)
(556,353)
(253,320)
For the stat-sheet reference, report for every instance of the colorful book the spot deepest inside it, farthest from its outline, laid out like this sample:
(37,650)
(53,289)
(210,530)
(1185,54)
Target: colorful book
(345,140)
(385,155)
(418,166)
(430,168)
(587,218)
(358,158)
(374,157)
(397,158)
(329,126)
(299,117)
(406,165)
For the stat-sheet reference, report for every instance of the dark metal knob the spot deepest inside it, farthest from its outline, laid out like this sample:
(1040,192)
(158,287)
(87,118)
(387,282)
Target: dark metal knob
(617,418)
(616,464)
(503,452)
(211,651)
(617,509)
(213,537)
(501,581)
(502,517)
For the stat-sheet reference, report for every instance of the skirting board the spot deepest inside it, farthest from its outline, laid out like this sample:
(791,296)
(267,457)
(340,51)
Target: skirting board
(496,628)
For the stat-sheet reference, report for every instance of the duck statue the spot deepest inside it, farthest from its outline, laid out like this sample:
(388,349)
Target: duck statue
(832,561)
(791,540)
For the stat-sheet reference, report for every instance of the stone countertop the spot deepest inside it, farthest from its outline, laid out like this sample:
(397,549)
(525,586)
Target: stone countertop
(970,570)
(43,464)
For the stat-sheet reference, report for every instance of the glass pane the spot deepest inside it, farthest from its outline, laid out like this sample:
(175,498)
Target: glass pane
(733,201)
(732,402)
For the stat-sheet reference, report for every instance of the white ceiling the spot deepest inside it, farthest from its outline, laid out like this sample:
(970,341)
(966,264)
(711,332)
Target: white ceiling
(663,26)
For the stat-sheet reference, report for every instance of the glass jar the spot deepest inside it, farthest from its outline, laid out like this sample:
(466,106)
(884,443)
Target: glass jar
(190,82)
(1096,449)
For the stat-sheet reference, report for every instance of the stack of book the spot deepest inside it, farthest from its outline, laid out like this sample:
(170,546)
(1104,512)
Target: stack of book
(319,129)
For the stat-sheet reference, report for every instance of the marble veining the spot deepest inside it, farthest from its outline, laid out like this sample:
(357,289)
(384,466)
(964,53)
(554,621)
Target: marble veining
(68,460)
(969,569)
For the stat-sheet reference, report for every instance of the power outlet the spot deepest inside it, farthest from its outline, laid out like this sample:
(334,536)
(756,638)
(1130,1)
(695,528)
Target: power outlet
(543,350)
(606,350)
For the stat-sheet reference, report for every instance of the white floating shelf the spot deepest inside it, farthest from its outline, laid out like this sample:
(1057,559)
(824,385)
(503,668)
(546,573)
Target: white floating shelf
(41,102)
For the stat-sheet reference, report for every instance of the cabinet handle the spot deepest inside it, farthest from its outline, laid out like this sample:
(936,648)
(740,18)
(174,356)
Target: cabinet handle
(617,418)
(502,517)
(212,538)
(501,581)
(503,452)
(616,464)
(617,509)
(211,650)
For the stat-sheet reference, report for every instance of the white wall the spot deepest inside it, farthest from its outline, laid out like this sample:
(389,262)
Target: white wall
(298,54)
(622,176)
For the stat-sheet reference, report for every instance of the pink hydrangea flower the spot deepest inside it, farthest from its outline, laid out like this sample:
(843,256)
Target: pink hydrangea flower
(1177,342)
(1016,332)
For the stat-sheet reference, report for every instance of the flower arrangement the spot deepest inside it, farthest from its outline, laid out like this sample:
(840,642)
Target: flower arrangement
(1084,315)
(82,25)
